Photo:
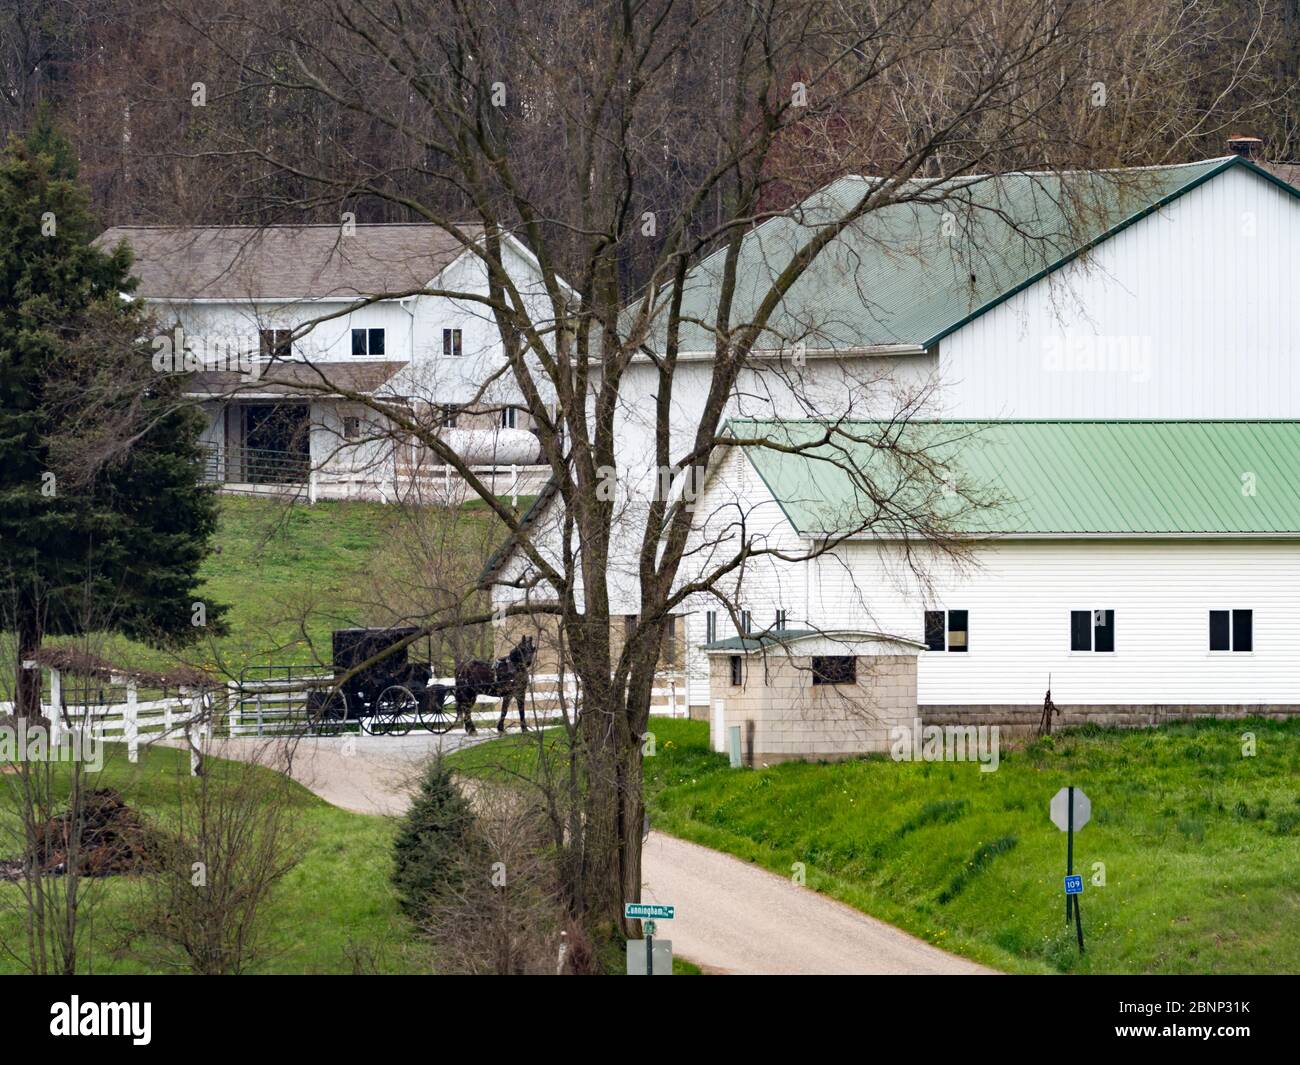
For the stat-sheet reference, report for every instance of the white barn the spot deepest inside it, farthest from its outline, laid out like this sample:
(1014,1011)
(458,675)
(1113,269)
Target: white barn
(1142,569)
(1170,301)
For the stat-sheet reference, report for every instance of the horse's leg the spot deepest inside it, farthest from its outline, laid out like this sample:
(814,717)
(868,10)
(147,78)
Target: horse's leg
(468,704)
(519,698)
(505,709)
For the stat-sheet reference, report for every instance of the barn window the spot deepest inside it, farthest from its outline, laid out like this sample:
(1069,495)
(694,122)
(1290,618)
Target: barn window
(450,415)
(1232,630)
(746,623)
(451,344)
(737,671)
(834,669)
(1092,630)
(509,417)
(780,621)
(351,427)
(710,626)
(947,630)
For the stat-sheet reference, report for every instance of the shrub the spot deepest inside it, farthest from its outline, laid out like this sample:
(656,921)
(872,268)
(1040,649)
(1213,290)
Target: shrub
(431,840)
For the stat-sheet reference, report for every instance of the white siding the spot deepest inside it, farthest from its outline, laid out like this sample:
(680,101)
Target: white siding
(733,498)
(1190,313)
(1020,595)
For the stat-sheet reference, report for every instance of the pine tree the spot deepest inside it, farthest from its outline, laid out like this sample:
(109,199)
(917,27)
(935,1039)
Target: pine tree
(104,517)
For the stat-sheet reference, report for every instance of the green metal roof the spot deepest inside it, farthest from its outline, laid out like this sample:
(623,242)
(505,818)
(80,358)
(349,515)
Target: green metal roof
(1034,478)
(910,273)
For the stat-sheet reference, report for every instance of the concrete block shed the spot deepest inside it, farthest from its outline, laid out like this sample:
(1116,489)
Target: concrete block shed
(810,695)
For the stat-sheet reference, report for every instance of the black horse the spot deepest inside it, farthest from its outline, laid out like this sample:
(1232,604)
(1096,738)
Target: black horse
(506,679)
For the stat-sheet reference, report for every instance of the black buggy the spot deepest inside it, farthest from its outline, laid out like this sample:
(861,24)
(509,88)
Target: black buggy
(388,697)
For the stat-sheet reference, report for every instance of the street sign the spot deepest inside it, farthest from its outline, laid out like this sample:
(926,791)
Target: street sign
(1060,809)
(651,910)
(660,962)
(1070,809)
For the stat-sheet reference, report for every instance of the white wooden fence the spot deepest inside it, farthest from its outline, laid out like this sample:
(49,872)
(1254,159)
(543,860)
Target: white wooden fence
(267,707)
(263,707)
(132,721)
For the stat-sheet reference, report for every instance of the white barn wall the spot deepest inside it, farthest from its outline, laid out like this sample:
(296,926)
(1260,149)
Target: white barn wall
(1189,313)
(1020,594)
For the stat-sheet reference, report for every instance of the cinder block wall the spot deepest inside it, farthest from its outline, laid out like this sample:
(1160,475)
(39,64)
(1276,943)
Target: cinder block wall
(783,716)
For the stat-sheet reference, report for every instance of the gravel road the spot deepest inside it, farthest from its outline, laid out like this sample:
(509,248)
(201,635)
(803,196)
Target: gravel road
(732,917)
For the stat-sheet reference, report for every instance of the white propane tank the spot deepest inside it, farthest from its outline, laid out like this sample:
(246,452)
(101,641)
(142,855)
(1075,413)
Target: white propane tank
(494,447)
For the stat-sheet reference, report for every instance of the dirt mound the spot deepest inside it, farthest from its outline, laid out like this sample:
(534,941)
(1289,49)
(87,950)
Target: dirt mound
(113,839)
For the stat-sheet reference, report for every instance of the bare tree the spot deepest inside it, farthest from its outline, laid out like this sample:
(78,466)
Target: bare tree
(635,149)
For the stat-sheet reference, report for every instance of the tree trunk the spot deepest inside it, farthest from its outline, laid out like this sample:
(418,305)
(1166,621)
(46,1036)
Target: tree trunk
(27,690)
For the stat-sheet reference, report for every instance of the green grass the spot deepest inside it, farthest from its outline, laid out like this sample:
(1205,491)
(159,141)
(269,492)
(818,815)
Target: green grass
(334,913)
(291,574)
(1200,845)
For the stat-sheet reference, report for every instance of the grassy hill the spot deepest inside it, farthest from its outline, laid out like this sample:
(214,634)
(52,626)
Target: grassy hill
(1199,844)
(334,913)
(292,573)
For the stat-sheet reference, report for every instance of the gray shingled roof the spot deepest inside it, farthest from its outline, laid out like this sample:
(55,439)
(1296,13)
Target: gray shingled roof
(285,262)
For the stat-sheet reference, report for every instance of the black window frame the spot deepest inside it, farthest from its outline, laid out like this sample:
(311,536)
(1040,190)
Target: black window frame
(275,343)
(779,622)
(1236,631)
(938,626)
(833,670)
(1088,636)
(351,427)
(453,344)
(710,626)
(368,342)
(737,671)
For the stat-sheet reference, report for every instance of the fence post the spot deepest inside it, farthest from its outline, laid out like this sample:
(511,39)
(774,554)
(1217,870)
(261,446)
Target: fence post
(193,736)
(167,711)
(232,707)
(131,724)
(56,706)
(718,726)
(196,708)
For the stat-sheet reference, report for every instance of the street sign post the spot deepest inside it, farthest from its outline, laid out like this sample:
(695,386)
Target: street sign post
(1071,809)
(649,913)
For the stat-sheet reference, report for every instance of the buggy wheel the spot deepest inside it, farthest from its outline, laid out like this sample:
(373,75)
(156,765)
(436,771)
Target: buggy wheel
(373,723)
(397,708)
(438,717)
(328,718)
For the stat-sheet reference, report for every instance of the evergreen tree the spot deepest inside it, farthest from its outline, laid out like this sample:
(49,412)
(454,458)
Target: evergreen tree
(104,518)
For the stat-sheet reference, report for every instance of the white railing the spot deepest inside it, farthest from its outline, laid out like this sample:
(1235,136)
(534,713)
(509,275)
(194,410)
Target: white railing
(264,707)
(133,722)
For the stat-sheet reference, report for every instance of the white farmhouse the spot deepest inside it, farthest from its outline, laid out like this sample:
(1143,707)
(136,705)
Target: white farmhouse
(1131,368)
(267,315)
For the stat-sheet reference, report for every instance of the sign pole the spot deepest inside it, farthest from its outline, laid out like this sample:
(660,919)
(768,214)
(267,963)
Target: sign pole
(649,948)
(1069,850)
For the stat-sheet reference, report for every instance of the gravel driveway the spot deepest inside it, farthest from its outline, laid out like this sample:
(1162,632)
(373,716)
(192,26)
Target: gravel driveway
(732,917)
